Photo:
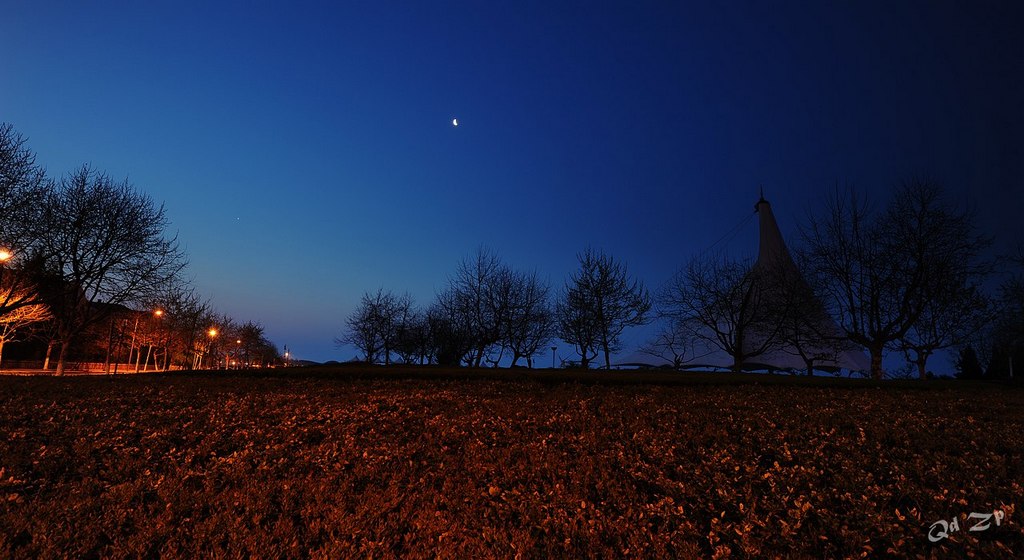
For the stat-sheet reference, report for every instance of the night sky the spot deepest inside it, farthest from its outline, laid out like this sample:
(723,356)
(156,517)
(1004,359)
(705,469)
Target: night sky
(306,154)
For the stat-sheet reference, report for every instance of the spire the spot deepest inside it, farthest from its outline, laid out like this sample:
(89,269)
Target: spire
(758,205)
(772,249)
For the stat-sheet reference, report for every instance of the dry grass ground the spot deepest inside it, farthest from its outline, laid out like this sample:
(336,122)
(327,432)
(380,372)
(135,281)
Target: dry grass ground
(335,463)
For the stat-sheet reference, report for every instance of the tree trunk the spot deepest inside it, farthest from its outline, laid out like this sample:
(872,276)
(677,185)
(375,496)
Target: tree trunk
(922,371)
(877,372)
(49,351)
(737,363)
(737,355)
(110,346)
(62,357)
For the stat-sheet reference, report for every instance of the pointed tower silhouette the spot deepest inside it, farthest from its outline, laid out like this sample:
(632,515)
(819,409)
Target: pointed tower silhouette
(778,270)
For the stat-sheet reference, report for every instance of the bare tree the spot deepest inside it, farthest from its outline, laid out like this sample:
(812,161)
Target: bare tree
(529,322)
(105,243)
(23,190)
(186,321)
(146,334)
(577,325)
(948,319)
(253,349)
(185,318)
(363,328)
(452,338)
(412,339)
(494,309)
(673,343)
(251,344)
(725,304)
(807,330)
(478,299)
(374,326)
(221,338)
(1005,338)
(397,315)
(879,271)
(15,320)
(598,303)
(206,339)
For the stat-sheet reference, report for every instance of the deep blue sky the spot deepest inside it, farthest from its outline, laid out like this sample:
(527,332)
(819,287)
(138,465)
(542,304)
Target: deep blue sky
(305,151)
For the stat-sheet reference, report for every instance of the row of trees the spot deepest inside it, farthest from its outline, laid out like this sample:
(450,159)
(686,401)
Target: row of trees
(490,311)
(994,349)
(908,278)
(79,253)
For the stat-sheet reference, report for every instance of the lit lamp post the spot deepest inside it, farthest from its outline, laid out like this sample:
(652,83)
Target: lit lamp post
(212,333)
(159,314)
(5,255)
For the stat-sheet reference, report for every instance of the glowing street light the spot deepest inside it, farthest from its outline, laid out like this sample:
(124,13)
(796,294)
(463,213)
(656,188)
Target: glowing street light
(212,333)
(159,314)
(5,255)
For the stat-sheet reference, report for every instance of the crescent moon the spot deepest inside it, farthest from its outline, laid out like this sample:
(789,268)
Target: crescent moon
(455,122)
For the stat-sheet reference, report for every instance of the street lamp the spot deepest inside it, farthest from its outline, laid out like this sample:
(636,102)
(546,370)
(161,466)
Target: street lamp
(159,314)
(212,333)
(5,255)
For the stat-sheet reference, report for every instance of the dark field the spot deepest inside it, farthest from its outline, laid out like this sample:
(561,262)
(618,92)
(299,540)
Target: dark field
(335,465)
